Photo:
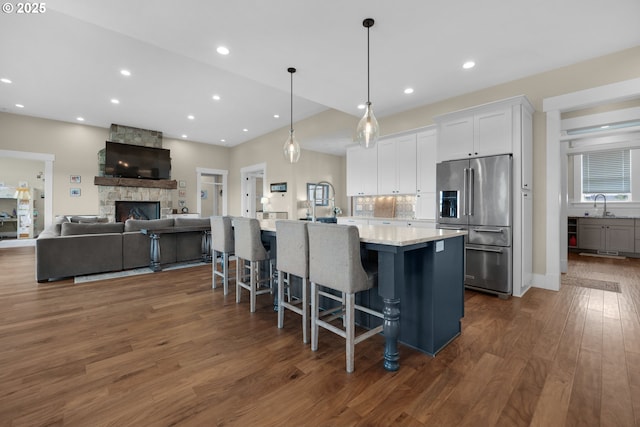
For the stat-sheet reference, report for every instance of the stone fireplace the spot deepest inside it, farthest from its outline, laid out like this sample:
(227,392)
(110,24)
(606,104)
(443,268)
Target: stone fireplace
(146,191)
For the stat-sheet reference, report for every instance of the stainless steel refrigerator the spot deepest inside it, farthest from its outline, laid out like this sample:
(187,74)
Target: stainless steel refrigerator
(475,195)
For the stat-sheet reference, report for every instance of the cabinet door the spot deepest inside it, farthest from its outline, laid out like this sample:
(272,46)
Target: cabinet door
(426,205)
(362,172)
(387,167)
(426,162)
(526,242)
(455,139)
(492,133)
(406,164)
(590,236)
(526,148)
(619,238)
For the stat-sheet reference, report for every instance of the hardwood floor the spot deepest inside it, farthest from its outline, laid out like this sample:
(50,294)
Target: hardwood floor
(165,349)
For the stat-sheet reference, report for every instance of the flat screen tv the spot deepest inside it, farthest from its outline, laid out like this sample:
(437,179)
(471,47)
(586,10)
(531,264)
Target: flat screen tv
(135,161)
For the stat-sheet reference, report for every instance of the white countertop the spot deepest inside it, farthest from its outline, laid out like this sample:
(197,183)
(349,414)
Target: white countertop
(390,235)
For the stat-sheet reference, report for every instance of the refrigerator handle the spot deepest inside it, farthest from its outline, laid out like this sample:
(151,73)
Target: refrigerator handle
(465,192)
(471,191)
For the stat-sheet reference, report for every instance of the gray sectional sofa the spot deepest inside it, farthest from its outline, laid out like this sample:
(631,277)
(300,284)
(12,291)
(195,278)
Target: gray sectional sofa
(86,246)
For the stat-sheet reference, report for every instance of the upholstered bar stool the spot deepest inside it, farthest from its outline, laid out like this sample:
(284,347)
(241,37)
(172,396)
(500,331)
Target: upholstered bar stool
(334,263)
(249,253)
(292,259)
(222,244)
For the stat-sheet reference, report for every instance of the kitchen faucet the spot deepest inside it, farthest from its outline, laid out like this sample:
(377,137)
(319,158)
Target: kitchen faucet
(595,199)
(332,199)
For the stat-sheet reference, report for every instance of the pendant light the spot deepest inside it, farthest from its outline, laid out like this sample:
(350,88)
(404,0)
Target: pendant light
(368,130)
(291,146)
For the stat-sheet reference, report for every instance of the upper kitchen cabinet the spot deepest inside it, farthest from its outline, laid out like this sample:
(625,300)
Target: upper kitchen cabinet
(362,171)
(426,174)
(499,127)
(397,165)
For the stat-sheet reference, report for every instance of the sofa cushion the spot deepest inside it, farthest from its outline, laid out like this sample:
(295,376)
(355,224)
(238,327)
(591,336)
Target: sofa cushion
(192,222)
(149,224)
(94,220)
(75,229)
(86,218)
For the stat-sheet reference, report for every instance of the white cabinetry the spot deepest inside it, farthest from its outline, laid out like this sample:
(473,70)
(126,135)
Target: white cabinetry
(606,235)
(426,174)
(501,127)
(482,134)
(362,171)
(397,165)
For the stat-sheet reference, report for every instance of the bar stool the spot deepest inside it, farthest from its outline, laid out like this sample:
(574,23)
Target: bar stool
(292,259)
(249,249)
(222,243)
(334,263)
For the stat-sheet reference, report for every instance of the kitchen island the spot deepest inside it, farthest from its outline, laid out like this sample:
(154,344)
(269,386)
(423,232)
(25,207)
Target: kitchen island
(420,286)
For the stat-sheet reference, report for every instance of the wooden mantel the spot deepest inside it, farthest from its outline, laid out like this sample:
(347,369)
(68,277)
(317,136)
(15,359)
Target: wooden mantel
(167,184)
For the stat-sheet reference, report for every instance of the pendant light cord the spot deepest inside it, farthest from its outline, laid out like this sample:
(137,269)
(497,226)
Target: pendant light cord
(291,101)
(368,67)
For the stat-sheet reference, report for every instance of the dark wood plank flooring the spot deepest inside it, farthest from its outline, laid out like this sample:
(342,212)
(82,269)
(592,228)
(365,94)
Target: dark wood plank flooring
(165,349)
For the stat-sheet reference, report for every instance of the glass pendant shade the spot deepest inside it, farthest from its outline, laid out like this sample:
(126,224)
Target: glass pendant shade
(292,148)
(368,131)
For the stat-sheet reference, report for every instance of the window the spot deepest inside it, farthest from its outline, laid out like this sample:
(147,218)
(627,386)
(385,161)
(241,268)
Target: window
(608,173)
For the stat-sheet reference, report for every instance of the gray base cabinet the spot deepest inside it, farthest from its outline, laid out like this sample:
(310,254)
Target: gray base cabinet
(607,235)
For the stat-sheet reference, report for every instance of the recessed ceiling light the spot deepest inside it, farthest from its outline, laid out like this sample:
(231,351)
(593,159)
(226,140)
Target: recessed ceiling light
(604,127)
(223,140)
(408,90)
(80,119)
(245,130)
(216,97)
(19,105)
(190,117)
(361,107)
(276,116)
(125,72)
(184,136)
(115,101)
(3,80)
(469,64)
(222,50)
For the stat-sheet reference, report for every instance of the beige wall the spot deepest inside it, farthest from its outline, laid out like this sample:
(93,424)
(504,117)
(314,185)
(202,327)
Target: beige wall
(612,68)
(312,166)
(75,146)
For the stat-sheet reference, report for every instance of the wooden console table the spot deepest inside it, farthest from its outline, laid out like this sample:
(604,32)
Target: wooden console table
(154,235)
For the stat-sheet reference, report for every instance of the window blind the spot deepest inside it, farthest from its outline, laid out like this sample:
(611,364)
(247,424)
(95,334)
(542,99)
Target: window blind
(607,172)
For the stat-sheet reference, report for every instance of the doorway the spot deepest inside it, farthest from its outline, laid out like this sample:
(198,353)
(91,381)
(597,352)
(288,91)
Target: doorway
(212,187)
(40,182)
(556,182)
(253,180)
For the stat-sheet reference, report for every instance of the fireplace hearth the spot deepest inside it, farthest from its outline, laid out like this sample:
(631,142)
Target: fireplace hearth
(136,210)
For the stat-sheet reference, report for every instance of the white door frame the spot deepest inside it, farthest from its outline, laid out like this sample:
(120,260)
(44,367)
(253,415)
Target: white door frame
(225,195)
(247,195)
(48,160)
(556,180)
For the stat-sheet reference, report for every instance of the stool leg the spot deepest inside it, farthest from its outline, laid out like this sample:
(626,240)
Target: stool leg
(214,265)
(281,298)
(305,310)
(225,272)
(314,316)
(350,329)
(238,278)
(253,271)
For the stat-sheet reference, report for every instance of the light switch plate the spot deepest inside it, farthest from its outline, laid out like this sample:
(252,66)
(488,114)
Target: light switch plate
(440,246)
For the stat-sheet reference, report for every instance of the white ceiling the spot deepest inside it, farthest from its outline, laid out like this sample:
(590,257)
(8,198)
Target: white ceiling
(66,62)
